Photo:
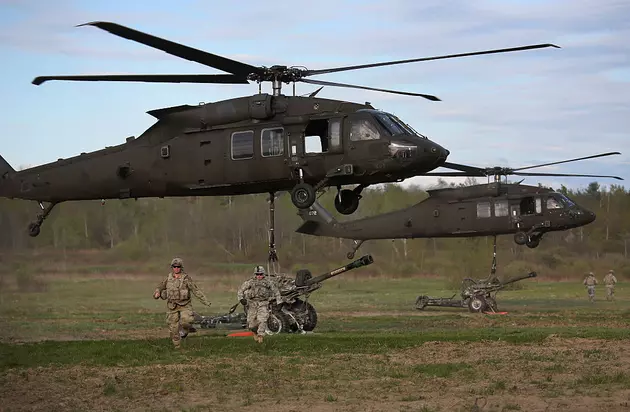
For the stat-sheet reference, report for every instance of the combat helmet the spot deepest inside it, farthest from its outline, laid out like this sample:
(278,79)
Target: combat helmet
(177,262)
(259,270)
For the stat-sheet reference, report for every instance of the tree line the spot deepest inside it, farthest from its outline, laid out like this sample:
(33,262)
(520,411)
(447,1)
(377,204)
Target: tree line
(234,230)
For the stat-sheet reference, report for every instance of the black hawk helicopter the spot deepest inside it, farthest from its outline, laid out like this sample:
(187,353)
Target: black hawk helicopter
(245,145)
(491,209)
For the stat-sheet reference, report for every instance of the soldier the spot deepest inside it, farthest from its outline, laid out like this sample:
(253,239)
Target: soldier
(178,287)
(257,293)
(590,283)
(610,280)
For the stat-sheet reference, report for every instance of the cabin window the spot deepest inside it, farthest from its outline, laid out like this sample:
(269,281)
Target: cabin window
(483,209)
(335,135)
(272,142)
(501,208)
(243,145)
(553,204)
(362,129)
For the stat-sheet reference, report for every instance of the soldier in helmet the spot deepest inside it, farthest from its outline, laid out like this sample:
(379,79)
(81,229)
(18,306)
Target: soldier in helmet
(256,293)
(590,283)
(610,280)
(178,288)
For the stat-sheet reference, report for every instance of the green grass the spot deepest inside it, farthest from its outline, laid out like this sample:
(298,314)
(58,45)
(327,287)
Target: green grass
(105,337)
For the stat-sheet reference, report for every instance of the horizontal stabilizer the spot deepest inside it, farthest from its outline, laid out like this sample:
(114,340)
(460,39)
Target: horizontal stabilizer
(5,168)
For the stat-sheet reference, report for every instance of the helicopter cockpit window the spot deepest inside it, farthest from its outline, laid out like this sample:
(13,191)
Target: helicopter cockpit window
(272,142)
(362,129)
(553,204)
(389,124)
(483,209)
(568,202)
(501,208)
(335,135)
(243,145)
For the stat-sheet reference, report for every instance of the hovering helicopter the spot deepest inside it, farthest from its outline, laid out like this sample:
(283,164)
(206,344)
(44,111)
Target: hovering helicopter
(245,145)
(491,209)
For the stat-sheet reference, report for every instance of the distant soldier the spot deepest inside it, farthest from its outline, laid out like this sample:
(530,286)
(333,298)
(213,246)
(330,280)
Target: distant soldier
(590,283)
(178,287)
(610,280)
(256,293)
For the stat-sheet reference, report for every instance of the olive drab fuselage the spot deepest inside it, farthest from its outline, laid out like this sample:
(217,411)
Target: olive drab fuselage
(254,144)
(480,210)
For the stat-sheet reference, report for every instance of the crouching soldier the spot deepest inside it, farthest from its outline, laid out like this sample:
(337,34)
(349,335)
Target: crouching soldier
(178,288)
(256,293)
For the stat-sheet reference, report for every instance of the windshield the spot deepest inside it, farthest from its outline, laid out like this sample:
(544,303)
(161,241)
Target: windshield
(568,202)
(394,125)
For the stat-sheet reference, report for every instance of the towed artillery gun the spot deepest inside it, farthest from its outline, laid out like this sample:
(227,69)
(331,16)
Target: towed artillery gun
(478,296)
(294,313)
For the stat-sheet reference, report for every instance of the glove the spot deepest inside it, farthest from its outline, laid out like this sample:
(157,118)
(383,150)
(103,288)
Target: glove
(243,302)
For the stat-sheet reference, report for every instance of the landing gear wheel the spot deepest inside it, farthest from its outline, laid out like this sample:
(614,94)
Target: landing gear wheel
(477,304)
(303,195)
(533,242)
(33,229)
(520,238)
(347,202)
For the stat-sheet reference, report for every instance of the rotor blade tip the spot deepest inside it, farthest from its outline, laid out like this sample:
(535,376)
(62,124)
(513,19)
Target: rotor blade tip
(38,80)
(91,23)
(555,46)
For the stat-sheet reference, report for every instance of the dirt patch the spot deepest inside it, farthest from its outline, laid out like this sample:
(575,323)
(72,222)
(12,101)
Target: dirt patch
(559,374)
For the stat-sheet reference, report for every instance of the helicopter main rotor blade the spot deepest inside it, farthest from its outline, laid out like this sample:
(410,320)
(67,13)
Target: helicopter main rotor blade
(567,161)
(451,174)
(365,66)
(562,174)
(153,78)
(471,170)
(324,83)
(176,49)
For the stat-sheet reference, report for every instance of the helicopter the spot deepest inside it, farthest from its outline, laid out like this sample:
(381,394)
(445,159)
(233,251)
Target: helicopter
(495,208)
(245,145)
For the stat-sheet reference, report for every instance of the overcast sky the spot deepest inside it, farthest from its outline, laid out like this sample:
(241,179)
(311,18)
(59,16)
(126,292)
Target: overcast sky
(512,109)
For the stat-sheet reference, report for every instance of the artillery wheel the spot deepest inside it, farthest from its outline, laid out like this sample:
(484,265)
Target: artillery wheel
(306,313)
(303,195)
(302,276)
(520,238)
(492,303)
(276,323)
(347,202)
(477,304)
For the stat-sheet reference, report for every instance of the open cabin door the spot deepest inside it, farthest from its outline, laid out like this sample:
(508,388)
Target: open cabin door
(317,147)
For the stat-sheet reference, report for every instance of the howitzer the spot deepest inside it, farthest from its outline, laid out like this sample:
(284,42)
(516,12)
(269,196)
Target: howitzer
(478,296)
(295,313)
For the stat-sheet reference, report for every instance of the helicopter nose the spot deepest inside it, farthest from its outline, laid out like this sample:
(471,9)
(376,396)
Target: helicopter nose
(589,217)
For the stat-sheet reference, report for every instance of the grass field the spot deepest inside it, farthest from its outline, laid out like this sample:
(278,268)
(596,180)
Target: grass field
(81,342)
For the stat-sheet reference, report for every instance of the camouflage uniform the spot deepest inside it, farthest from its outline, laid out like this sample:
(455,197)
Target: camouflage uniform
(178,288)
(257,293)
(610,280)
(590,283)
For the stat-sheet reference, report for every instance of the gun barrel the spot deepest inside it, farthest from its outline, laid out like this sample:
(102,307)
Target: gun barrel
(517,278)
(362,261)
